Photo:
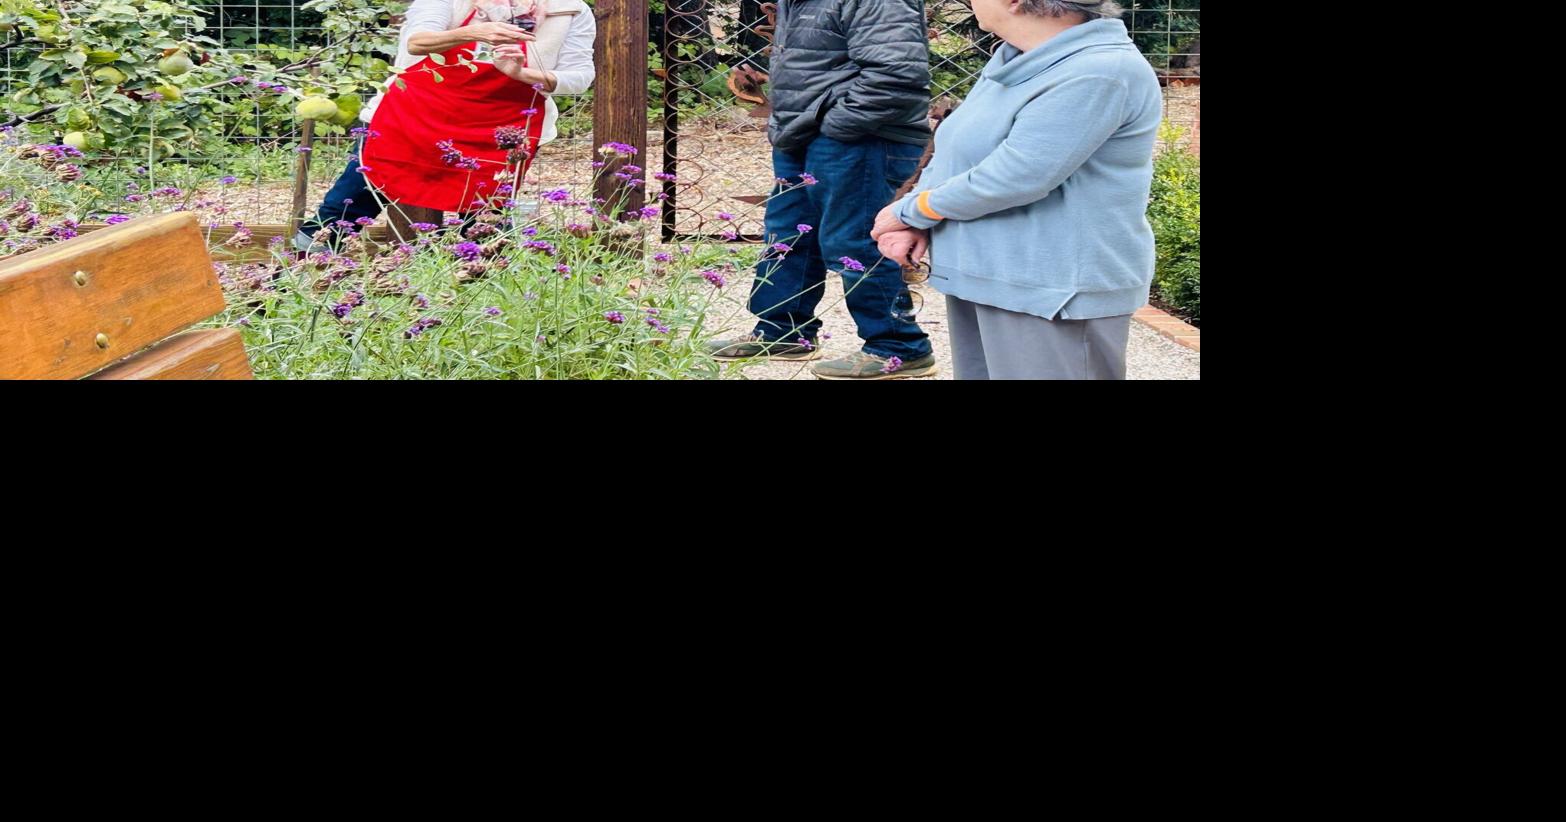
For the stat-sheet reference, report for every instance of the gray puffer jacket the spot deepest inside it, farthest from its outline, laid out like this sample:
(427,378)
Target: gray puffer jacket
(850,69)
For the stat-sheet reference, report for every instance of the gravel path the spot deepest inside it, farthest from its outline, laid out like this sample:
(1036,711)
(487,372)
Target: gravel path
(1150,356)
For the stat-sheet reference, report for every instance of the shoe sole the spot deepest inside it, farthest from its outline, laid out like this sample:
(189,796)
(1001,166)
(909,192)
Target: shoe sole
(928,371)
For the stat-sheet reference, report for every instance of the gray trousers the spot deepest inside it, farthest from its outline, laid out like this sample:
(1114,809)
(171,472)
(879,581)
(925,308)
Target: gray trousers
(990,343)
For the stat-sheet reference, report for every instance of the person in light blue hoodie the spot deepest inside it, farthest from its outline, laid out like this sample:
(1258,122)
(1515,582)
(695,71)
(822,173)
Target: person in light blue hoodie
(1034,204)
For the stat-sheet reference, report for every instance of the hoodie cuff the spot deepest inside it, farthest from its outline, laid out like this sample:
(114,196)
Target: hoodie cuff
(914,210)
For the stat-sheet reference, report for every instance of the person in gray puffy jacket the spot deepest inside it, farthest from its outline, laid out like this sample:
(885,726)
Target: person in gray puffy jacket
(850,94)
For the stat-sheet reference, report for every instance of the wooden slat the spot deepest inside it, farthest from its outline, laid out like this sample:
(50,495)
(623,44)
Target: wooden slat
(144,280)
(260,249)
(213,354)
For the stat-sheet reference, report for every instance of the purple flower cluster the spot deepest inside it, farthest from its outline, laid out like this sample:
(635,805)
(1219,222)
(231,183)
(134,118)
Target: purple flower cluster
(509,137)
(419,327)
(353,300)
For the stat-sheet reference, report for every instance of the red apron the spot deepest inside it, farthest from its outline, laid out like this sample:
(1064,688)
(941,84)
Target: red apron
(402,157)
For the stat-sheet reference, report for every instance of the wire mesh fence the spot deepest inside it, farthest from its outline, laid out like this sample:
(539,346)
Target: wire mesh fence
(714,104)
(707,98)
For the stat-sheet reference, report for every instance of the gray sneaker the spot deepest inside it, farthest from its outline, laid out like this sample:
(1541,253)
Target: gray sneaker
(862,366)
(755,347)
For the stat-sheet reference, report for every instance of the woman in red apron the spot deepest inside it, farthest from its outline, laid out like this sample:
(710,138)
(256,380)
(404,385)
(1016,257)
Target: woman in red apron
(451,143)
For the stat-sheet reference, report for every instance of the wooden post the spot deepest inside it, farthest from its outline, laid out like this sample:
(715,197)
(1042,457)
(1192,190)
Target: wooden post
(400,218)
(302,172)
(620,101)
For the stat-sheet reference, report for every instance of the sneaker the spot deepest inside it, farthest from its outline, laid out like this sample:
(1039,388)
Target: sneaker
(862,366)
(754,347)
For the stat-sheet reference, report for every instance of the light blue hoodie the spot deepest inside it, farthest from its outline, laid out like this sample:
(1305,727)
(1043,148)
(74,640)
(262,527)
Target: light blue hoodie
(1042,178)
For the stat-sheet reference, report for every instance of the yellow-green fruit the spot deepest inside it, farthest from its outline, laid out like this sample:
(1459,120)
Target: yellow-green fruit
(316,108)
(348,107)
(170,93)
(175,65)
(78,119)
(83,140)
(110,75)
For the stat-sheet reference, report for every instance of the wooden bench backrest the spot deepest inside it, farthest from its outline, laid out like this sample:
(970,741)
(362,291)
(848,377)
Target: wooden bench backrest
(71,309)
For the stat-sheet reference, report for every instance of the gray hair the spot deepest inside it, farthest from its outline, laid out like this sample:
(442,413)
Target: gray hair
(1089,9)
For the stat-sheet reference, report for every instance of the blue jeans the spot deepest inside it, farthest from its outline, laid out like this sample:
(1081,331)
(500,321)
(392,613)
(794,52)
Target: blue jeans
(857,181)
(349,199)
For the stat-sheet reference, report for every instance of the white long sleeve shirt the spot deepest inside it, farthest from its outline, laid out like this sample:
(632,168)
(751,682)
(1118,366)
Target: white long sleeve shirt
(574,71)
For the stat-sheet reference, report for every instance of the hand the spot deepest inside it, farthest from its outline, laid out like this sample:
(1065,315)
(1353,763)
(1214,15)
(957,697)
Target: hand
(498,34)
(513,63)
(906,247)
(886,222)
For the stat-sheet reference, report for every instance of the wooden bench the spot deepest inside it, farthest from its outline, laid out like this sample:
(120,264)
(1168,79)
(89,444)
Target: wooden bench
(93,306)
